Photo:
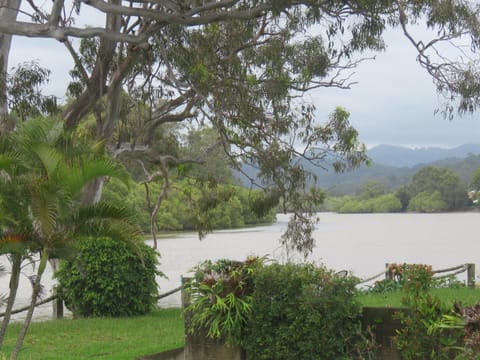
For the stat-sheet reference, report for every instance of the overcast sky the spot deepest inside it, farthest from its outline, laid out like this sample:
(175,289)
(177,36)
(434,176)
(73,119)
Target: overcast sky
(393,102)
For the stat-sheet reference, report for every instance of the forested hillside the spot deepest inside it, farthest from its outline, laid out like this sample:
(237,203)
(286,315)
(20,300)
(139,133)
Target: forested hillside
(399,156)
(349,182)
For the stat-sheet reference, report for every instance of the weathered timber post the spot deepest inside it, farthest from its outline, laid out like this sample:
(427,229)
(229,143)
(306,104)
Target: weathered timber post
(471,275)
(184,295)
(388,272)
(57,305)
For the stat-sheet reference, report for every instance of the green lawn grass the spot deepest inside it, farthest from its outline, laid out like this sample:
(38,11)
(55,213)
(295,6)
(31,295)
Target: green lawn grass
(466,296)
(128,338)
(100,338)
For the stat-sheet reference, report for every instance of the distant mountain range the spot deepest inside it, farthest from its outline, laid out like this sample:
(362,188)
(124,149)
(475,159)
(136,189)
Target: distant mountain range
(394,166)
(398,156)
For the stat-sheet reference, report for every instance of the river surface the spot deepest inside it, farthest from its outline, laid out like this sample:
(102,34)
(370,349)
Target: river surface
(359,243)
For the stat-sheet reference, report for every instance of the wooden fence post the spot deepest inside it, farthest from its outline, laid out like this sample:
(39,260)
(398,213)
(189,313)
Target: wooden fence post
(388,272)
(185,296)
(471,275)
(57,305)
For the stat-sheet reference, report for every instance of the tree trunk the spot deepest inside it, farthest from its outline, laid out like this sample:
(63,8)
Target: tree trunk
(97,83)
(35,292)
(92,192)
(14,280)
(8,11)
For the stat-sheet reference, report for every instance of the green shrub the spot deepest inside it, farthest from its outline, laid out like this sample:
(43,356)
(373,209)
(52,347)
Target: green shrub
(108,278)
(416,340)
(300,311)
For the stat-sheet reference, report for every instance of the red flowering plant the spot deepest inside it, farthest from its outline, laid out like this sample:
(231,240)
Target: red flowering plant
(418,277)
(402,276)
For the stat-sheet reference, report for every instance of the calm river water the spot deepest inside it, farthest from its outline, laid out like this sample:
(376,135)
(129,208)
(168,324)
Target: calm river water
(360,243)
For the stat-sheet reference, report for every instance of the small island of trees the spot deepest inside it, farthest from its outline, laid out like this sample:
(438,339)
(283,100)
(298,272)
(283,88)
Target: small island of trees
(431,189)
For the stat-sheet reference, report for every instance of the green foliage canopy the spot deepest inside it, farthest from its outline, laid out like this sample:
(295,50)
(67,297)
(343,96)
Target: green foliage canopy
(431,179)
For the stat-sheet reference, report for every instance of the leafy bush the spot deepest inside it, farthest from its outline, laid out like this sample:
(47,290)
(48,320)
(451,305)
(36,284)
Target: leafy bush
(301,312)
(415,340)
(108,278)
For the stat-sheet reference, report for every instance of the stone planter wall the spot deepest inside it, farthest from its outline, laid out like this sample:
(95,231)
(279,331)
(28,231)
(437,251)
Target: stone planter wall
(383,325)
(380,320)
(201,348)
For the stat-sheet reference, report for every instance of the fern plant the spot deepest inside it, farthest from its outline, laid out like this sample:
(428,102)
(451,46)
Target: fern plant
(220,298)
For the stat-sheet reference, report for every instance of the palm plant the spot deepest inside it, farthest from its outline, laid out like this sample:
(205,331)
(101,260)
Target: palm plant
(15,226)
(3,298)
(49,171)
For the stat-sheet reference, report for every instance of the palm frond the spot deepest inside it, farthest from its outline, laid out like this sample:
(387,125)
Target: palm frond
(105,167)
(104,210)
(104,219)
(30,133)
(49,158)
(126,233)
(78,173)
(97,148)
(44,208)
(6,161)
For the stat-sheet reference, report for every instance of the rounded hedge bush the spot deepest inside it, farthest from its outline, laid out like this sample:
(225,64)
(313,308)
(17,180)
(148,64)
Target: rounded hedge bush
(108,278)
(300,311)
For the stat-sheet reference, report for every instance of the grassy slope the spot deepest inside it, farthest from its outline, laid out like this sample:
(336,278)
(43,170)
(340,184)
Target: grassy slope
(101,338)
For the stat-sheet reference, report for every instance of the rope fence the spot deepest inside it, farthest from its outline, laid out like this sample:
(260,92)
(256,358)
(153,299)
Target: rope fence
(386,274)
(25,308)
(58,311)
(452,271)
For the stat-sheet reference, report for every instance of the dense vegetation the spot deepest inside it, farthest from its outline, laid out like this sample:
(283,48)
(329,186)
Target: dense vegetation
(432,189)
(432,327)
(229,206)
(302,311)
(291,311)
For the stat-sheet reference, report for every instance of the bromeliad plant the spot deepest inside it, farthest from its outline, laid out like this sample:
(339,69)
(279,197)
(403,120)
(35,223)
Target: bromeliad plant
(220,296)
